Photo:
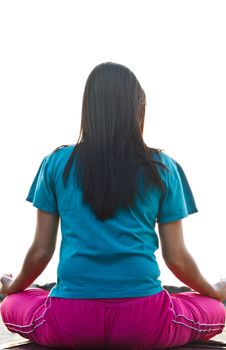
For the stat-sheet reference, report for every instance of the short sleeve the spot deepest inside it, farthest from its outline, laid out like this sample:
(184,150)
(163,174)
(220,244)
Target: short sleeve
(41,193)
(178,201)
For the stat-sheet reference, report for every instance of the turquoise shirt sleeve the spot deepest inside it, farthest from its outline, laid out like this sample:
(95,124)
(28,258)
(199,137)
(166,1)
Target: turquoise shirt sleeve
(41,193)
(177,201)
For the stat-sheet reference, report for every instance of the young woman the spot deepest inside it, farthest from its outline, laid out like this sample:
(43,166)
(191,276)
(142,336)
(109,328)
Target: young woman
(108,192)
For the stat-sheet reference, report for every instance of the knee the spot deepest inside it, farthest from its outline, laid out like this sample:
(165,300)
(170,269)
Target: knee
(222,310)
(216,311)
(7,306)
(3,307)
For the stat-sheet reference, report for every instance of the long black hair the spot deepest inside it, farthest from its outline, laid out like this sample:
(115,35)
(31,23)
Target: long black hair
(110,150)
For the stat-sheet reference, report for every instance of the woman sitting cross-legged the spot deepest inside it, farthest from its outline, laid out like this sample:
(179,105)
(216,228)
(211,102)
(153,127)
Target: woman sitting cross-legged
(109,191)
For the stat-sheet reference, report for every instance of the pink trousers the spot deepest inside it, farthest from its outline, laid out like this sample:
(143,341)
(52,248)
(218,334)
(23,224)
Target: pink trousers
(151,322)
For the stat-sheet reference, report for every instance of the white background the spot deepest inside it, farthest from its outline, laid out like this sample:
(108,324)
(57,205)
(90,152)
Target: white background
(177,50)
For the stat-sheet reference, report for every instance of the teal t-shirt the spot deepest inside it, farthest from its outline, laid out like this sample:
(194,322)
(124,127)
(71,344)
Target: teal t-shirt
(114,258)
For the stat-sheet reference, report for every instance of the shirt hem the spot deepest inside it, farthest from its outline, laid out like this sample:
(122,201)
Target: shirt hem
(176,217)
(100,294)
(42,207)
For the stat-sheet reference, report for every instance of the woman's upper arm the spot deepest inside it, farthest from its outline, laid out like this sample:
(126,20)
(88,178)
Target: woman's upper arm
(45,233)
(172,241)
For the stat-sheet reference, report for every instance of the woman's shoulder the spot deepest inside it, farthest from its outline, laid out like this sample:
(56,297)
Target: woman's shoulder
(172,170)
(61,152)
(161,156)
(58,157)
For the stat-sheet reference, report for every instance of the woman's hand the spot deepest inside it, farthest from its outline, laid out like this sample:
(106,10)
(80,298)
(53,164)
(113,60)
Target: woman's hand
(220,288)
(5,283)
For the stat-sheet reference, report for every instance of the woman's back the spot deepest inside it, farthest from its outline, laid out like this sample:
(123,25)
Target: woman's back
(116,257)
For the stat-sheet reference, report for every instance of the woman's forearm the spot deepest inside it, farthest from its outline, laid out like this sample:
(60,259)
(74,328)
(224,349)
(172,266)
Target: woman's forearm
(39,254)
(187,271)
(181,263)
(34,264)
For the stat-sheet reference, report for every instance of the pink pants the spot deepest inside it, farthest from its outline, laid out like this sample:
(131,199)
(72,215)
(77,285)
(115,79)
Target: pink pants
(152,322)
